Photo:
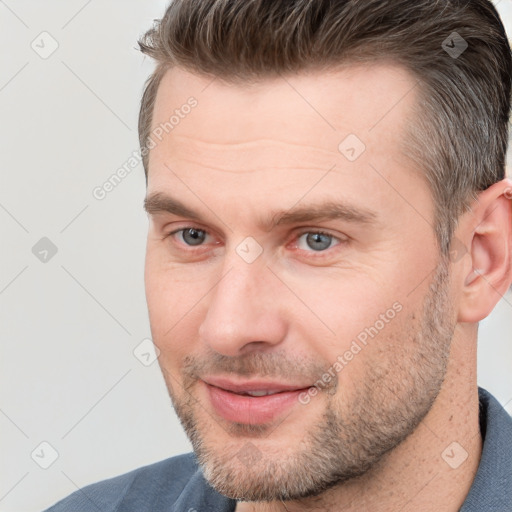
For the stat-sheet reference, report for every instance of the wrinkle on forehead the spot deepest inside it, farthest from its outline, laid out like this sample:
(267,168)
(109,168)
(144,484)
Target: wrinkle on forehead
(279,126)
(255,155)
(293,123)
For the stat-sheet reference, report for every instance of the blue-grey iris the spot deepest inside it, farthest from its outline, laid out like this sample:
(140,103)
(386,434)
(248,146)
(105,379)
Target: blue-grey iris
(193,236)
(318,241)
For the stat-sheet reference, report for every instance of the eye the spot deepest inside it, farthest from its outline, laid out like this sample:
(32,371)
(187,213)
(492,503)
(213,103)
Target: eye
(316,241)
(191,236)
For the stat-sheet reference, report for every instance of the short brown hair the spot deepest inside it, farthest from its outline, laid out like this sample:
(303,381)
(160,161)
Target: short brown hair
(460,130)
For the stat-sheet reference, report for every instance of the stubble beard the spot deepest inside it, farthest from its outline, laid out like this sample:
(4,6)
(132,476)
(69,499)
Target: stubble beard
(350,437)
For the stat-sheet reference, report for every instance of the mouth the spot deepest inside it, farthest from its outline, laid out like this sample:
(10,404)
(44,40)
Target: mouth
(252,402)
(257,393)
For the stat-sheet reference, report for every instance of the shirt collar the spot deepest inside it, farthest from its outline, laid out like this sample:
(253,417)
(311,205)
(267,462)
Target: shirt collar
(492,486)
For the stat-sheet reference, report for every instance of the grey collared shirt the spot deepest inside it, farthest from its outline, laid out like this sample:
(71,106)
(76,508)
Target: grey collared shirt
(178,485)
(491,490)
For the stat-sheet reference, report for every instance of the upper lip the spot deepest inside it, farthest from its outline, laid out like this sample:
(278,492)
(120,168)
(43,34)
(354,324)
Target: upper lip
(243,386)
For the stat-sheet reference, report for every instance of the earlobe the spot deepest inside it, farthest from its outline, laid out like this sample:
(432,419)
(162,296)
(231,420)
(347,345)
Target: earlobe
(490,247)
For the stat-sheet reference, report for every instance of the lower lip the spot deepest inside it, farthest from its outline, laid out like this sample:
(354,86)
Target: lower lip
(251,410)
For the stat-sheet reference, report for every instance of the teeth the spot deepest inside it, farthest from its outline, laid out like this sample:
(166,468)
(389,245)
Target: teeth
(261,393)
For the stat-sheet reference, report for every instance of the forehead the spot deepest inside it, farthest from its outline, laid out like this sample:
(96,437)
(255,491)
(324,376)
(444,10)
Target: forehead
(284,130)
(364,99)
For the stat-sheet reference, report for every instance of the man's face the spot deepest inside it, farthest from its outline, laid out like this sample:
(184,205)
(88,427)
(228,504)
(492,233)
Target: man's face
(291,251)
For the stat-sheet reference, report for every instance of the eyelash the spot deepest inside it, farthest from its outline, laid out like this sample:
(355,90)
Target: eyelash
(311,254)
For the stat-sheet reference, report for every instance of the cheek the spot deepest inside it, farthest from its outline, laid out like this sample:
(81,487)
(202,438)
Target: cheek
(346,305)
(349,321)
(170,296)
(174,316)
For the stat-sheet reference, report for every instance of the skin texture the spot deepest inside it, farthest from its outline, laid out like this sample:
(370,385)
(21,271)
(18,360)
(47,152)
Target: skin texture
(373,439)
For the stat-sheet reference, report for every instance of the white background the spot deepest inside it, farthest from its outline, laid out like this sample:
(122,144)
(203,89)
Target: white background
(69,326)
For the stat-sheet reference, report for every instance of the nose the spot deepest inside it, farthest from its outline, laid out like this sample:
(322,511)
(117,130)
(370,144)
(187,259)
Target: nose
(243,311)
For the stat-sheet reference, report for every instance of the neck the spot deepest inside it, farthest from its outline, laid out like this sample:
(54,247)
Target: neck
(425,472)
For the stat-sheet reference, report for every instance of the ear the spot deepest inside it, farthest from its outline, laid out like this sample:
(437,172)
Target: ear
(487,274)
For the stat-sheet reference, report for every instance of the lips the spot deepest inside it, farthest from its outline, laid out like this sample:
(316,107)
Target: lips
(252,402)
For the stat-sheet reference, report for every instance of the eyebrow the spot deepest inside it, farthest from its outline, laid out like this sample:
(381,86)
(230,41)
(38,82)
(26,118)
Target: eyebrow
(161,203)
(328,210)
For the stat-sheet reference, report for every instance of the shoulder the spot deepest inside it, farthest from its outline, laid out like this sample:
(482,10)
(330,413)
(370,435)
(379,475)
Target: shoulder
(492,486)
(163,481)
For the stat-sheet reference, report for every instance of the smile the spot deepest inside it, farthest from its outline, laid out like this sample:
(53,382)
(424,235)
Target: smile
(252,403)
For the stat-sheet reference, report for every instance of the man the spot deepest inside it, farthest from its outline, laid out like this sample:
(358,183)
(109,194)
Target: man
(329,221)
